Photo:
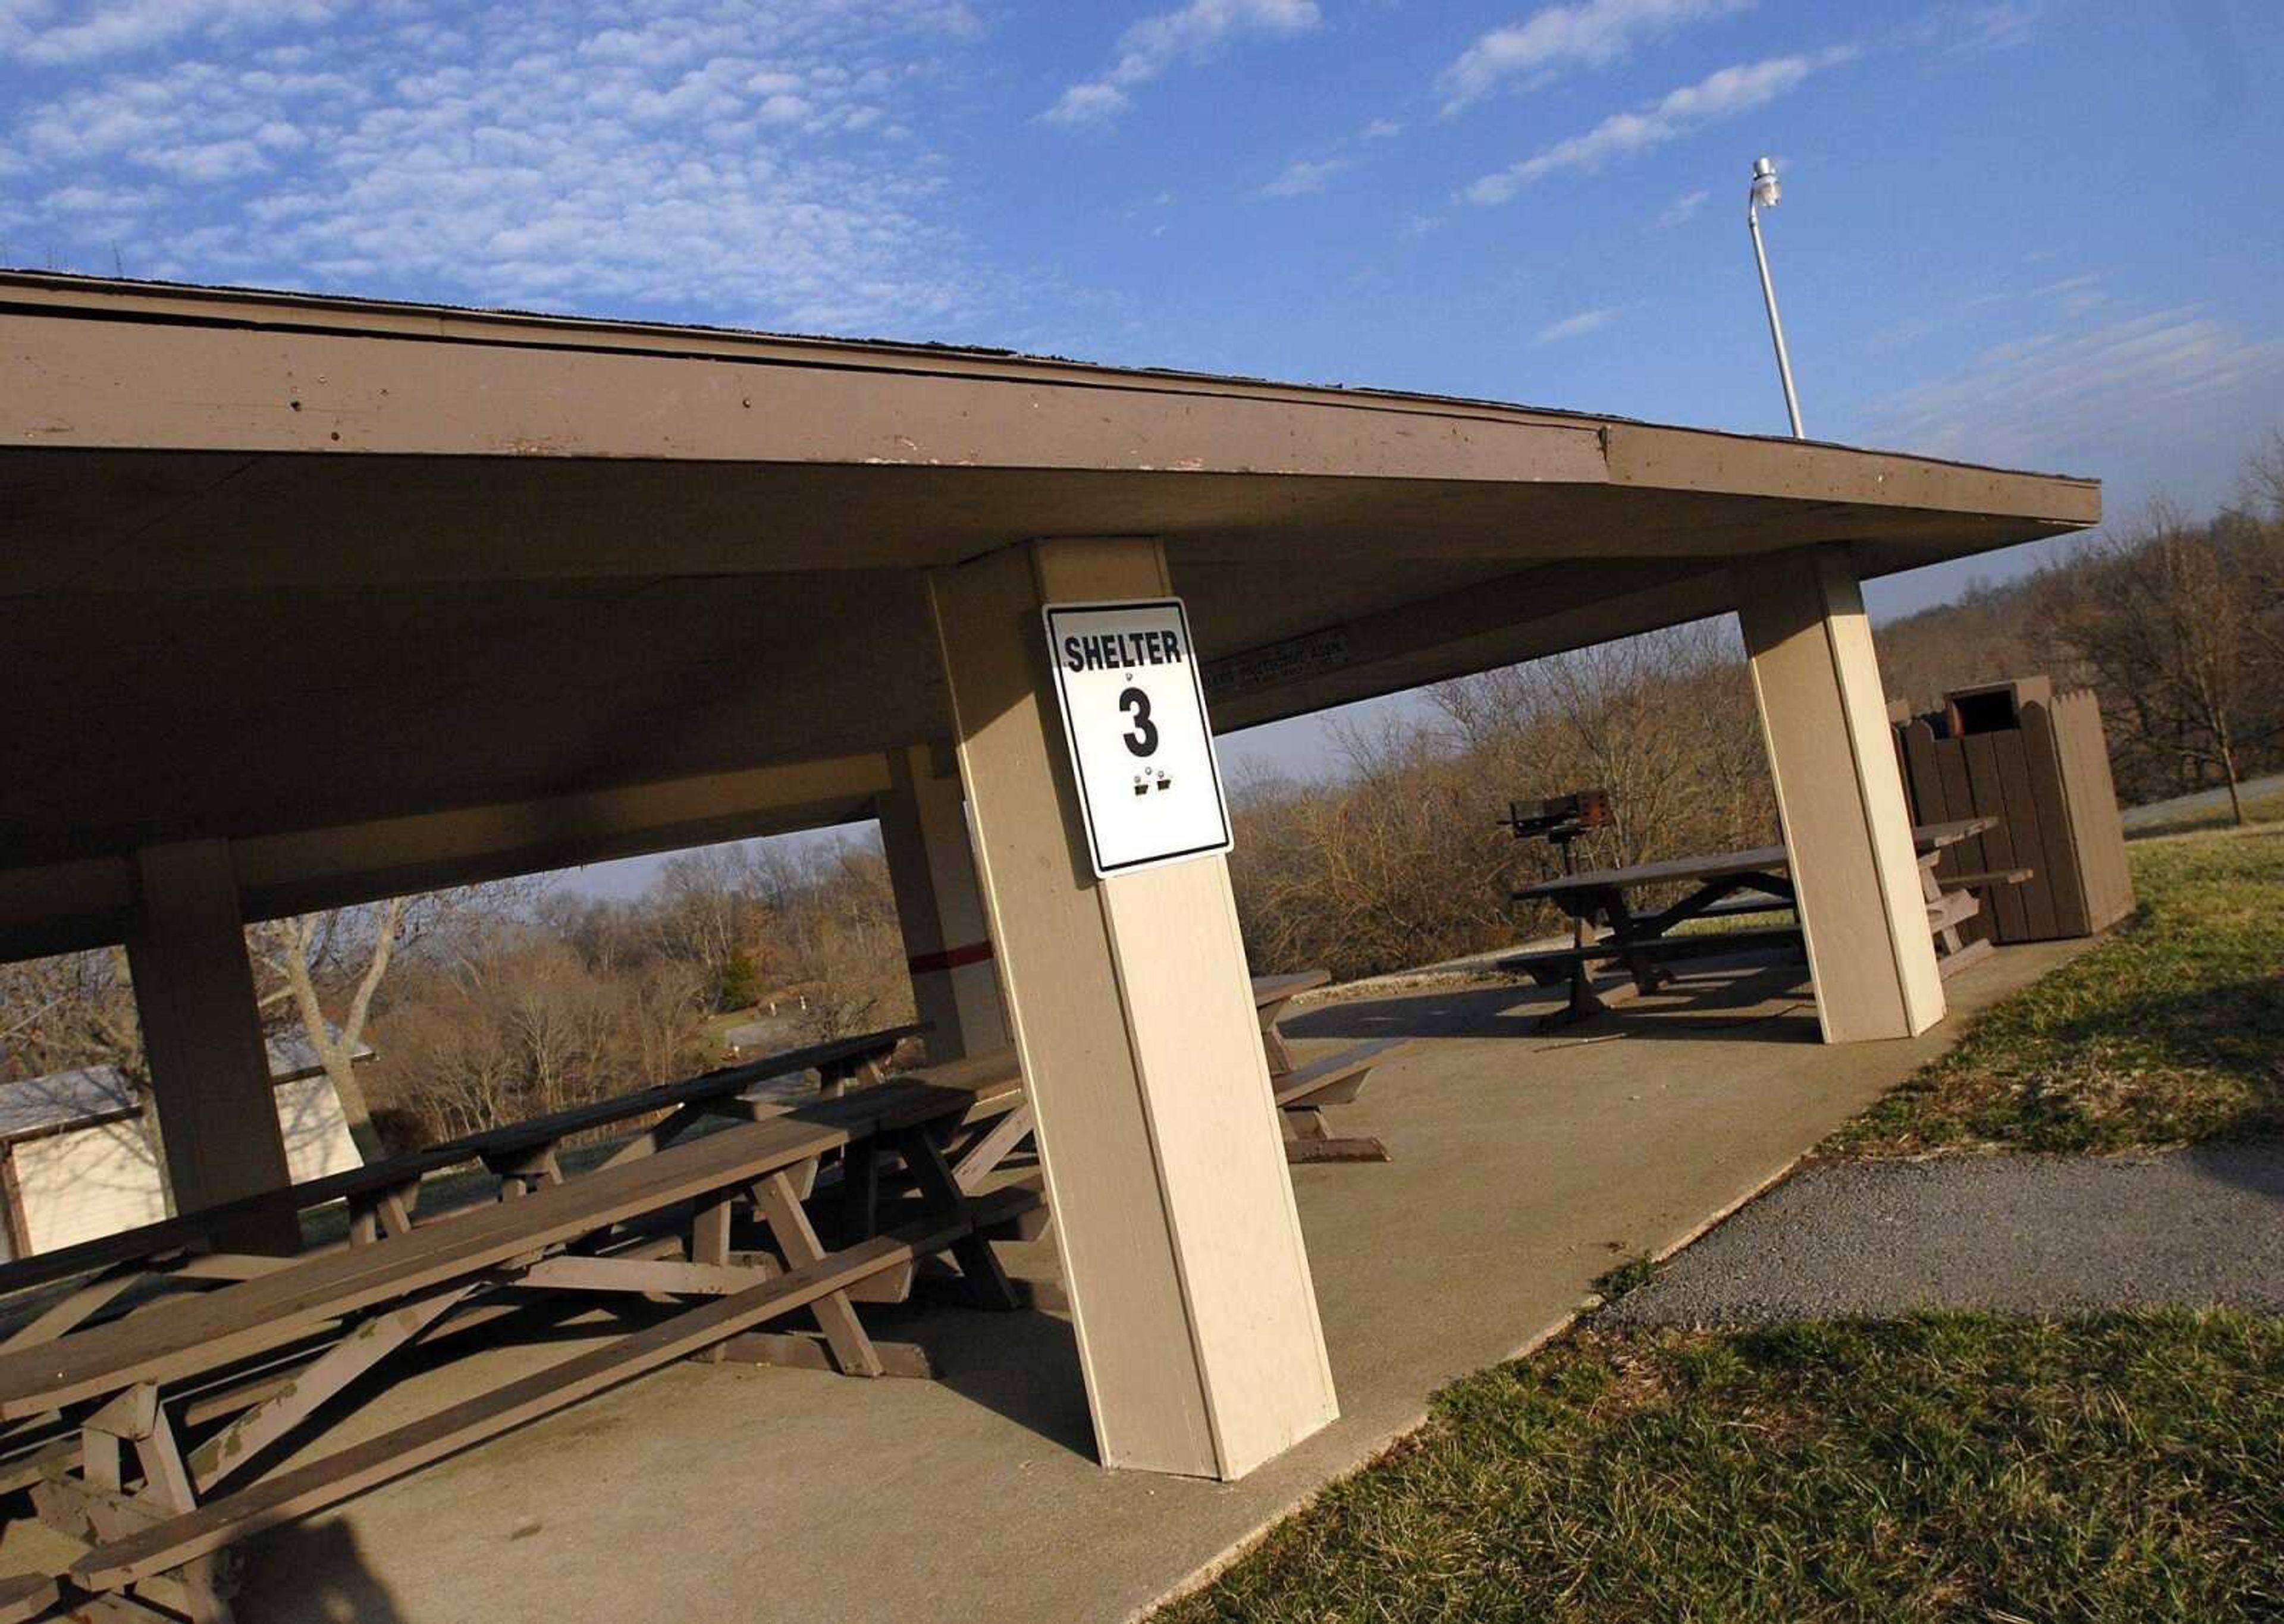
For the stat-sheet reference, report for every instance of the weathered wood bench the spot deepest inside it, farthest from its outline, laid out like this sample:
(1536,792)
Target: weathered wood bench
(158,1485)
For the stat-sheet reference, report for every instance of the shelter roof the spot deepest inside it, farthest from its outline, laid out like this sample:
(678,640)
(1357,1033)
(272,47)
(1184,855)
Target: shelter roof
(278,563)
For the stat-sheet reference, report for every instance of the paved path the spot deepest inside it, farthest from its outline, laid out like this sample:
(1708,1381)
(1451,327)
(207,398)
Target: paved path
(2203,801)
(2022,1233)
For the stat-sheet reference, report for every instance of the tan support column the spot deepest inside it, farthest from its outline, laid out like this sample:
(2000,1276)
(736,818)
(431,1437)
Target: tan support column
(1847,824)
(1182,1252)
(940,906)
(202,1039)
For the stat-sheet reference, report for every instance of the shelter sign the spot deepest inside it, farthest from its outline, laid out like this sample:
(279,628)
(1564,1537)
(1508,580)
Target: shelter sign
(1134,715)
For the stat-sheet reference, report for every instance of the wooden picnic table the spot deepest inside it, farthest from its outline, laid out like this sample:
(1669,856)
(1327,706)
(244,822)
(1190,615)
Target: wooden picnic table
(150,1495)
(383,1195)
(1725,886)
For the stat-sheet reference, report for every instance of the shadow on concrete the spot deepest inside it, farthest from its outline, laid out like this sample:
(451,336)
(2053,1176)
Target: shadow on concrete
(1729,1001)
(303,1573)
(1022,1365)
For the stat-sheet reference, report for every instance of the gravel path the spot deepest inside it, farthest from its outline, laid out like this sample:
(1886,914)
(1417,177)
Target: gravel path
(2020,1233)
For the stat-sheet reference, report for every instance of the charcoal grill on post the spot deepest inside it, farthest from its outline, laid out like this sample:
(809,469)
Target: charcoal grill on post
(1560,820)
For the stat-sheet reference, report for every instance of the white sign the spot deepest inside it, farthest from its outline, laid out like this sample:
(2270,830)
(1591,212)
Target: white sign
(1134,715)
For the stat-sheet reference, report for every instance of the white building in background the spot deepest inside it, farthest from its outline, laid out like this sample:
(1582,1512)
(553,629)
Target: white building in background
(77,1160)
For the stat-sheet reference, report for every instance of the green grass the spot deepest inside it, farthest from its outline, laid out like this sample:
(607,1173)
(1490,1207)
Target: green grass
(1631,1275)
(1951,1467)
(2171,1031)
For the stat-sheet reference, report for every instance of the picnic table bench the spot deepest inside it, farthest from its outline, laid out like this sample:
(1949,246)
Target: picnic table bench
(1737,884)
(159,1484)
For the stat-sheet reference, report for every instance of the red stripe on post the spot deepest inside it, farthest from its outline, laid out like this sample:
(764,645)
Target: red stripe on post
(950,959)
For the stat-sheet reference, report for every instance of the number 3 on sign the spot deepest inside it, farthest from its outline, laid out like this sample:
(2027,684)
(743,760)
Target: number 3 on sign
(1143,739)
(1134,716)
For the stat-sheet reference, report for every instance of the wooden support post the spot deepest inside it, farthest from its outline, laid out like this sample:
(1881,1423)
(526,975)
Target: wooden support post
(940,907)
(1131,1010)
(1825,720)
(202,1036)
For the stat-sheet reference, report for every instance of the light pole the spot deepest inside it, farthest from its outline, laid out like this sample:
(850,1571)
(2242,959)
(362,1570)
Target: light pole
(1765,191)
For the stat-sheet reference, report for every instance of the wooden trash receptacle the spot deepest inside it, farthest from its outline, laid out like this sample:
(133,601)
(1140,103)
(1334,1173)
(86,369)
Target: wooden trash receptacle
(2037,762)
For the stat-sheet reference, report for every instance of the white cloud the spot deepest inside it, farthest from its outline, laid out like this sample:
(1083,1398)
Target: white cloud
(1191,33)
(1997,26)
(1382,130)
(1303,177)
(1682,209)
(1092,103)
(1579,325)
(1588,34)
(751,161)
(2075,296)
(1717,96)
(41,33)
(2066,393)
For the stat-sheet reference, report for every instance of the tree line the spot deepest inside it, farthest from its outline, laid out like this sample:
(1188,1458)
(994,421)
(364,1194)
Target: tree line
(491,1004)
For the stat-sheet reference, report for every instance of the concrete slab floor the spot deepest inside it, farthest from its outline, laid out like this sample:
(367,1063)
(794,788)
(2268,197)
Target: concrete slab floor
(1523,1166)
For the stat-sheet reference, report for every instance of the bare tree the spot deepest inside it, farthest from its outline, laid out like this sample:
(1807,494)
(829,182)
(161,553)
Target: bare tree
(517,1025)
(2159,620)
(77,1011)
(837,943)
(341,957)
(355,945)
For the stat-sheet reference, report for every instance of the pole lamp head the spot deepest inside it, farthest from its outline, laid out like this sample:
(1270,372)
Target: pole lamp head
(1765,190)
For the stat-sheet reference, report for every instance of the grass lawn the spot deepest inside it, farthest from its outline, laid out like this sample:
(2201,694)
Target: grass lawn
(2170,1031)
(2124,1467)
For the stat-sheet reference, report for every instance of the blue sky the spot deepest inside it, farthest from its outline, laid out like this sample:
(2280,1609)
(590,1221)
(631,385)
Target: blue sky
(2036,232)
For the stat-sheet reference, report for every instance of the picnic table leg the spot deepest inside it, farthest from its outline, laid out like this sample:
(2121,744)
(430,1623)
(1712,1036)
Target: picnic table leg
(710,1243)
(993,1148)
(101,1510)
(1946,935)
(1648,975)
(378,1214)
(988,1285)
(1585,1003)
(521,1172)
(1304,1122)
(860,1188)
(836,1315)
